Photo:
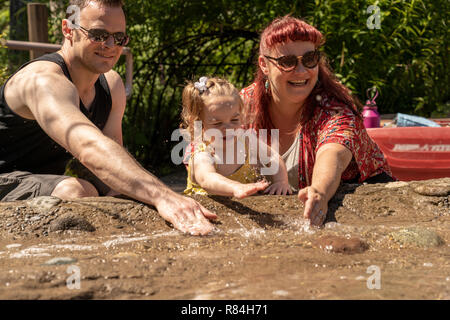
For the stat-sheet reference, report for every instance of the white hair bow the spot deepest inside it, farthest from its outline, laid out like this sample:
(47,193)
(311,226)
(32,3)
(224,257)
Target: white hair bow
(201,85)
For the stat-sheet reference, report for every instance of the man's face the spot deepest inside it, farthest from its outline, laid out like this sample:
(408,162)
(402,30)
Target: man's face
(99,57)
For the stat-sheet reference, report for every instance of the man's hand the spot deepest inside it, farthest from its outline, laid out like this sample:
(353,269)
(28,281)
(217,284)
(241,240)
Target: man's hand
(185,214)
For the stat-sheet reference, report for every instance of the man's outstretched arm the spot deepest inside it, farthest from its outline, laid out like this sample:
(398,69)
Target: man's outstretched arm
(53,100)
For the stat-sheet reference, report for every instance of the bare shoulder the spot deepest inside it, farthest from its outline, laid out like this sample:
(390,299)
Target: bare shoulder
(34,79)
(117,89)
(41,69)
(115,82)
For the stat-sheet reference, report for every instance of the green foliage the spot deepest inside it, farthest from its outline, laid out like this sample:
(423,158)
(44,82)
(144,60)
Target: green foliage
(175,40)
(4,20)
(407,59)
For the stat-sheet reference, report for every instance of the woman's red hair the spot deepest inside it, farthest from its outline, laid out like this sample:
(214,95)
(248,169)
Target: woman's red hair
(280,31)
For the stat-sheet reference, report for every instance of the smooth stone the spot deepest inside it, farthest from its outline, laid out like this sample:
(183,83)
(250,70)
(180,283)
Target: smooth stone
(60,261)
(396,184)
(339,244)
(437,190)
(43,204)
(71,221)
(417,236)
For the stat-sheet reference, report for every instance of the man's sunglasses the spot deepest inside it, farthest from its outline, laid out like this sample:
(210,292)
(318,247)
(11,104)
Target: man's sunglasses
(288,63)
(101,35)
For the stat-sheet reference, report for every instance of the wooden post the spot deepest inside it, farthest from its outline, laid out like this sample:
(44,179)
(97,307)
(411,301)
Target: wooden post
(37,26)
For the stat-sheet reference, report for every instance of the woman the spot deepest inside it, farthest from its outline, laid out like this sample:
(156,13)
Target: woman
(321,133)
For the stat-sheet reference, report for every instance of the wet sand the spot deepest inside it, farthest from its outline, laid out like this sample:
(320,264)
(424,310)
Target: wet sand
(383,241)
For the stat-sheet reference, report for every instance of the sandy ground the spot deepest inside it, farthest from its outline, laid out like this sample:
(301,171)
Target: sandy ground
(383,241)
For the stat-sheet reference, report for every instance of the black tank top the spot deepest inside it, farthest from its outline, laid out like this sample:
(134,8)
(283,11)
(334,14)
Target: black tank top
(24,146)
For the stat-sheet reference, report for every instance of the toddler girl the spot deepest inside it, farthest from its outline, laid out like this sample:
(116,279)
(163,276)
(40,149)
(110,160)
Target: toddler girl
(219,157)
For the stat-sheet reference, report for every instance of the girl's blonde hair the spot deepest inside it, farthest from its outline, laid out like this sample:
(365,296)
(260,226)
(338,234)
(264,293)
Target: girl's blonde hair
(194,100)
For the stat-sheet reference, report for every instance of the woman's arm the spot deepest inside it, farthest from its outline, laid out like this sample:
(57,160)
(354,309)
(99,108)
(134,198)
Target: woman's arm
(331,161)
(206,176)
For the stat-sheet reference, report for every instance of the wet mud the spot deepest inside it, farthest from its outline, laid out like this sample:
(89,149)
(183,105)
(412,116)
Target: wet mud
(382,241)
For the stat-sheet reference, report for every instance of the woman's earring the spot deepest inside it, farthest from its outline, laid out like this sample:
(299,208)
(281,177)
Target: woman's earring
(266,85)
(318,96)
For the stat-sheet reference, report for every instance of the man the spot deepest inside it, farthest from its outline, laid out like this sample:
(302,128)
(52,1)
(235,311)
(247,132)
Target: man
(73,102)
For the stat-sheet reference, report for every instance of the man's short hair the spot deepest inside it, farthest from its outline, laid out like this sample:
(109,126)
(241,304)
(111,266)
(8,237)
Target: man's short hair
(84,3)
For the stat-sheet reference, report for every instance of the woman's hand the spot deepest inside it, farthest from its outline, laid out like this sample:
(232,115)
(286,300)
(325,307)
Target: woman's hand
(244,190)
(279,188)
(316,205)
(331,161)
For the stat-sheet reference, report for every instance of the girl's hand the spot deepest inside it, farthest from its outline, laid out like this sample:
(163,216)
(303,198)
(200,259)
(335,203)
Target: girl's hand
(316,206)
(279,188)
(244,190)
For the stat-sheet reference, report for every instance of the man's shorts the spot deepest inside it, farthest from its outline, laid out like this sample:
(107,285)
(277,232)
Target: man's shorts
(21,185)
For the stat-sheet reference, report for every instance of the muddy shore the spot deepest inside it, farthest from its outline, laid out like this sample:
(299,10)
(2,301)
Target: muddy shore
(382,241)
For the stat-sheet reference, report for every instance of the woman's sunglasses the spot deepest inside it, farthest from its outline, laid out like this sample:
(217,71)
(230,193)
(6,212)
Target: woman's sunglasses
(101,35)
(288,63)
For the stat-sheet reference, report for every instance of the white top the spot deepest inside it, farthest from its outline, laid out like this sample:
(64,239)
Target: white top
(290,158)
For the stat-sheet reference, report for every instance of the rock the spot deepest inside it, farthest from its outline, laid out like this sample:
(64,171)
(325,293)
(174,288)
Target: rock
(417,236)
(71,221)
(339,244)
(43,204)
(396,184)
(434,190)
(60,261)
(14,245)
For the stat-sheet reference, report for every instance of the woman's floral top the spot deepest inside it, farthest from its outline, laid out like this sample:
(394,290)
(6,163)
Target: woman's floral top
(334,122)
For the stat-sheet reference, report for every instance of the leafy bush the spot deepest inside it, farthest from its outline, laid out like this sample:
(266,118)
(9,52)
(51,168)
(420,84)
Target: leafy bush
(407,59)
(175,40)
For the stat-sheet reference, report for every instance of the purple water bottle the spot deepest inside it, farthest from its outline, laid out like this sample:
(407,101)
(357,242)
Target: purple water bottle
(370,111)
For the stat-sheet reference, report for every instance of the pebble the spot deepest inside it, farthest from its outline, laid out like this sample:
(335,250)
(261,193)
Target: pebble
(436,190)
(60,261)
(43,204)
(339,244)
(396,184)
(417,236)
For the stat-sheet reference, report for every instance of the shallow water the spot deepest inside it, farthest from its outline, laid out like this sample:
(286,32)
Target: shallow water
(262,248)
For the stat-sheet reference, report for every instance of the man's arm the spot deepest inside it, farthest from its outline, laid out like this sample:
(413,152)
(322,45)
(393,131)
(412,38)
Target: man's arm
(54,102)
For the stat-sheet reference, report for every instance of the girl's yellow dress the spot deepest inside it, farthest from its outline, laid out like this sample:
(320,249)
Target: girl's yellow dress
(245,174)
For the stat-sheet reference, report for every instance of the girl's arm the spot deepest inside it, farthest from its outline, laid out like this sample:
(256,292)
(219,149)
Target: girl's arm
(331,161)
(206,176)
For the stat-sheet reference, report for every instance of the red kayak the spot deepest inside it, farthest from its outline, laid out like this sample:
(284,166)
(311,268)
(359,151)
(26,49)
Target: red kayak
(415,153)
